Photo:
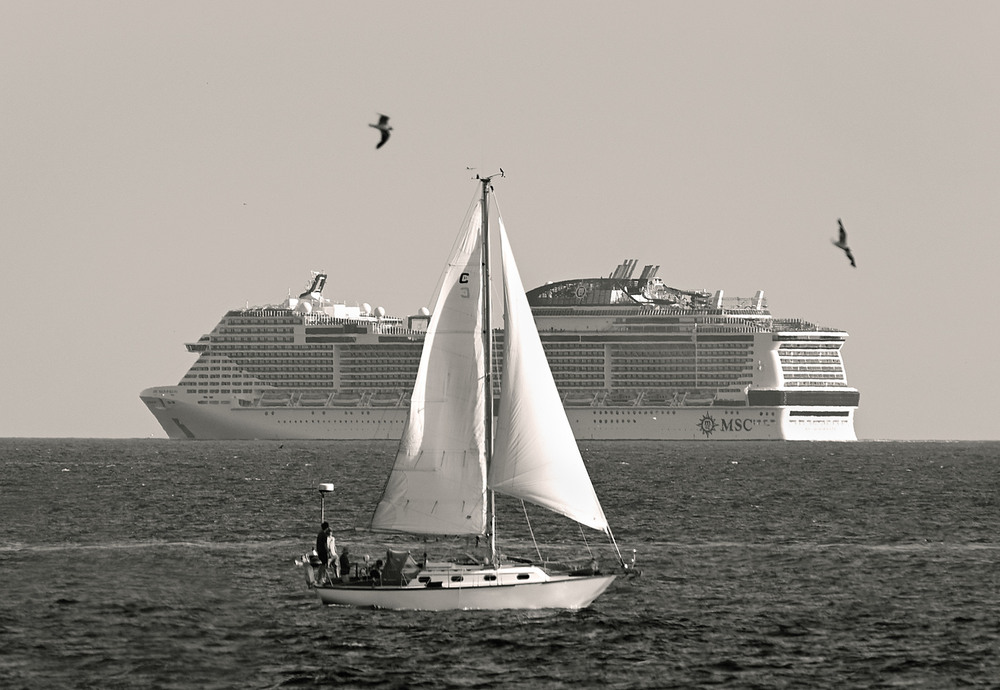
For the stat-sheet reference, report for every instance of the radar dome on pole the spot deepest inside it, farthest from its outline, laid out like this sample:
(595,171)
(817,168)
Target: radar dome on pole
(324,489)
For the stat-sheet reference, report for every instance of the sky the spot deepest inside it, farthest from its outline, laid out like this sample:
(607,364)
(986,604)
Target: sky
(162,163)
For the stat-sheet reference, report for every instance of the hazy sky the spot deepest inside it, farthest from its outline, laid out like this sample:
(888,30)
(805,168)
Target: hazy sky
(163,162)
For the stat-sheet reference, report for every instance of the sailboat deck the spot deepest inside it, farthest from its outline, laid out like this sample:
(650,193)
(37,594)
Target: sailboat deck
(446,575)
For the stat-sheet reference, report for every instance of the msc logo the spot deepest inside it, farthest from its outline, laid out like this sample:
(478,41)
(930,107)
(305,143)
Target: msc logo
(738,424)
(707,425)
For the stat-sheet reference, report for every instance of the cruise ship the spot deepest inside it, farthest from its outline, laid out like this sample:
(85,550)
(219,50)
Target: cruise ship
(632,358)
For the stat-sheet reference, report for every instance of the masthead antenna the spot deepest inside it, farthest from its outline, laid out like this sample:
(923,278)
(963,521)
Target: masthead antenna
(489,177)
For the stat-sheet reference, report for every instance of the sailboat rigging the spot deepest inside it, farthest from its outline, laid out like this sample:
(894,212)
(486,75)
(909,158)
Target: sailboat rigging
(451,460)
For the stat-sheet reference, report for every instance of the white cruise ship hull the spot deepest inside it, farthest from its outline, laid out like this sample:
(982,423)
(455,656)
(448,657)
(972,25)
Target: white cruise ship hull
(189,417)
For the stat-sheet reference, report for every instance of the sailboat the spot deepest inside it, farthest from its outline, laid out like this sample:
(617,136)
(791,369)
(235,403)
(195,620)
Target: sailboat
(451,460)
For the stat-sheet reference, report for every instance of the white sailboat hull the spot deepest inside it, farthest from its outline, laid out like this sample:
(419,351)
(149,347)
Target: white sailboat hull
(439,591)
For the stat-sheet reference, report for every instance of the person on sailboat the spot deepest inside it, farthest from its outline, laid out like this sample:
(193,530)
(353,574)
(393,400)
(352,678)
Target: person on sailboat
(345,565)
(375,573)
(331,548)
(323,551)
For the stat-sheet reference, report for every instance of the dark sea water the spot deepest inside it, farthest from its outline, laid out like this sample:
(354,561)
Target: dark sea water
(168,564)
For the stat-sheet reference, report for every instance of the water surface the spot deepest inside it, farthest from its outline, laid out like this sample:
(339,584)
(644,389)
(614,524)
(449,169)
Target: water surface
(154,563)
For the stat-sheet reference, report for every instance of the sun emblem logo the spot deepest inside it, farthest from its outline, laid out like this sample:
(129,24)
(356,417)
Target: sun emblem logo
(706,425)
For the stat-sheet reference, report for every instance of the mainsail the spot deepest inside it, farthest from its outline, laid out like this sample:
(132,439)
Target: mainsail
(437,484)
(535,457)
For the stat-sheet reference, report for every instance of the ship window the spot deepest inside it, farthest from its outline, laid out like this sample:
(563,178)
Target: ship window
(523,576)
(457,578)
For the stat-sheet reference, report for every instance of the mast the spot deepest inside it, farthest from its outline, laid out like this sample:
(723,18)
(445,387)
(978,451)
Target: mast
(488,348)
(488,375)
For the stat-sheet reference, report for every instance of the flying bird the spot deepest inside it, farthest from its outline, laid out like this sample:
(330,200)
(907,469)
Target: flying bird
(384,128)
(842,243)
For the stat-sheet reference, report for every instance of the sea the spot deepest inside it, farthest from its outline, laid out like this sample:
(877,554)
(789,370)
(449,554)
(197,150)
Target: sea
(172,564)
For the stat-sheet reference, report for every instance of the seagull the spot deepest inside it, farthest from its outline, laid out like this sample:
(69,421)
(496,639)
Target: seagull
(842,243)
(384,128)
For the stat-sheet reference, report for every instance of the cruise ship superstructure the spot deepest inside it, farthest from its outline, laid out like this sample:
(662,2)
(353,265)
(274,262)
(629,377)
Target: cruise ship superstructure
(631,357)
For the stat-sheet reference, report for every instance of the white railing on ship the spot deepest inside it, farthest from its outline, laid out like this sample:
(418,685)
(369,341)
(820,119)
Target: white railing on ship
(802,325)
